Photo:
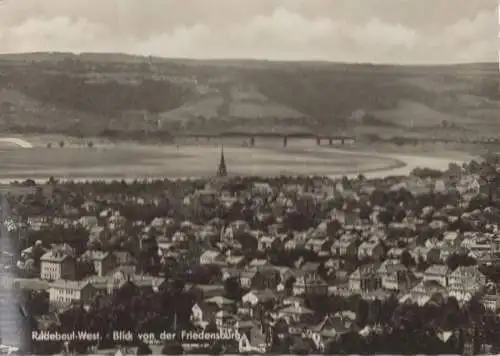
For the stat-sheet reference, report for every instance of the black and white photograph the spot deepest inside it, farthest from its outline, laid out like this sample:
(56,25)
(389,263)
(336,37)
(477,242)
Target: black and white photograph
(216,177)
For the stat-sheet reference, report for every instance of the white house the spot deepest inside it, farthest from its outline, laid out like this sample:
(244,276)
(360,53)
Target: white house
(209,257)
(65,292)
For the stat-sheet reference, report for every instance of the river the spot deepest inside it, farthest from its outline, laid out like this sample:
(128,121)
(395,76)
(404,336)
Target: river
(403,165)
(410,163)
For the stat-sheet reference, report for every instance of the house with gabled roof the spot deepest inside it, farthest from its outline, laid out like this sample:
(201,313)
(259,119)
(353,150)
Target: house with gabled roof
(225,319)
(259,262)
(491,301)
(204,291)
(365,278)
(310,268)
(254,300)
(65,292)
(57,264)
(103,262)
(210,257)
(246,278)
(252,339)
(266,277)
(452,238)
(235,261)
(395,276)
(438,273)
(371,249)
(470,185)
(332,326)
(309,284)
(296,314)
(345,247)
(229,272)
(255,297)
(395,253)
(464,282)
(419,252)
(424,291)
(317,244)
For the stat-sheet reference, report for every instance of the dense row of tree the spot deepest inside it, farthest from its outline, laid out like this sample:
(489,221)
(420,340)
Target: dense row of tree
(107,99)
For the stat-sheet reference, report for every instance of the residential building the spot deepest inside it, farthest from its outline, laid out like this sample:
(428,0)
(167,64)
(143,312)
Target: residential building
(452,238)
(65,292)
(252,338)
(310,284)
(317,245)
(57,264)
(246,278)
(265,277)
(371,249)
(438,273)
(345,247)
(424,291)
(365,279)
(104,262)
(491,302)
(464,282)
(395,276)
(209,257)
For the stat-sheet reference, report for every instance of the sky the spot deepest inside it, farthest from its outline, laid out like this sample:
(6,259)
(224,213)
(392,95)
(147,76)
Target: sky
(362,31)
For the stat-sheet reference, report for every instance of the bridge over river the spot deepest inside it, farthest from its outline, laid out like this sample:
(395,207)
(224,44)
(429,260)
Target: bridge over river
(337,139)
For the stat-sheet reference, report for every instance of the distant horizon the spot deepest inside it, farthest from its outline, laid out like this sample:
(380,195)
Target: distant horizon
(249,59)
(399,32)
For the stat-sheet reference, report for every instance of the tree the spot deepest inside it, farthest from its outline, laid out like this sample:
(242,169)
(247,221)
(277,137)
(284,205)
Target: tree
(144,349)
(455,260)
(61,144)
(407,259)
(233,289)
(84,268)
(362,313)
(422,265)
(49,145)
(451,316)
(172,348)
(90,144)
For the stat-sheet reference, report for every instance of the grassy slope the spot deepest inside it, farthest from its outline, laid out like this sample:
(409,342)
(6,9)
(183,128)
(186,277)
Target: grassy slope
(93,92)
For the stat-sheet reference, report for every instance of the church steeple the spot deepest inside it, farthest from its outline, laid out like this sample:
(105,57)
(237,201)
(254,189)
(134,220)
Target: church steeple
(222,170)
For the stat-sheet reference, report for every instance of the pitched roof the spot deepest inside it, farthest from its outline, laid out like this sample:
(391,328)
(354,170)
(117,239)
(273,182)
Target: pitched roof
(263,295)
(310,266)
(54,256)
(441,270)
(96,255)
(296,310)
(65,284)
(219,300)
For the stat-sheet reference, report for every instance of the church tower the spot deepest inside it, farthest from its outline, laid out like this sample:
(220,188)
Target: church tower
(222,170)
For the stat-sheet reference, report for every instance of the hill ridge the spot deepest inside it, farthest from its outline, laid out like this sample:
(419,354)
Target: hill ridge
(95,92)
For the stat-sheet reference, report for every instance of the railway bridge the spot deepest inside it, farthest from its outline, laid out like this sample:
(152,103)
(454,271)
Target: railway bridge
(285,138)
